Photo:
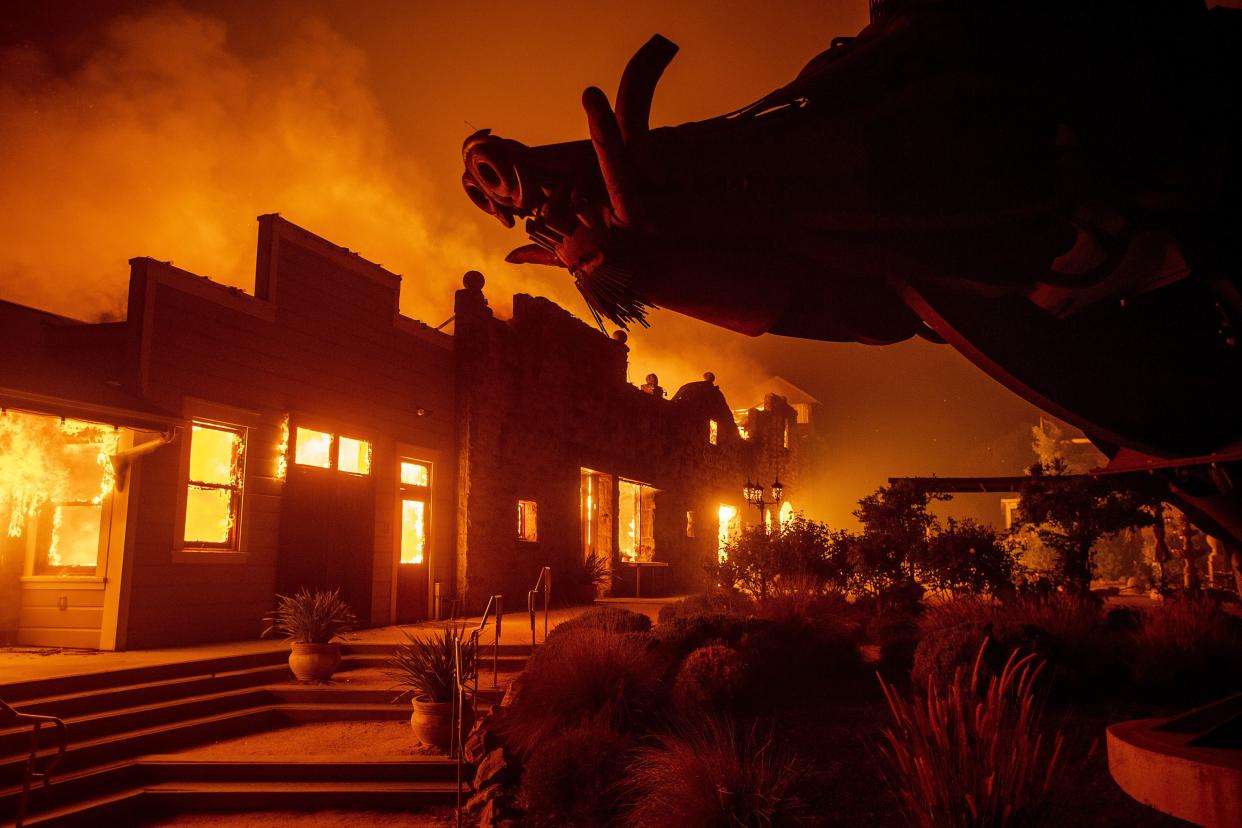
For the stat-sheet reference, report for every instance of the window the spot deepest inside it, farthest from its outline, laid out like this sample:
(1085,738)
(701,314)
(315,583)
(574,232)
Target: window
(729,526)
(595,509)
(527,521)
(313,448)
(324,450)
(414,474)
(56,478)
(354,456)
(414,491)
(413,531)
(636,513)
(214,488)
(787,513)
(713,432)
(786,438)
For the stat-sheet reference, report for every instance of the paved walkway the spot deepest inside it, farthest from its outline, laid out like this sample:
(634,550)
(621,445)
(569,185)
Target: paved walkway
(28,663)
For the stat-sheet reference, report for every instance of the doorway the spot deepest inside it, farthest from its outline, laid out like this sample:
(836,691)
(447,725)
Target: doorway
(413,538)
(327,519)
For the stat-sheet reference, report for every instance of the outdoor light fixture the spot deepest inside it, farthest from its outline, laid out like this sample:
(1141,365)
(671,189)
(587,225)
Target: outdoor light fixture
(753,492)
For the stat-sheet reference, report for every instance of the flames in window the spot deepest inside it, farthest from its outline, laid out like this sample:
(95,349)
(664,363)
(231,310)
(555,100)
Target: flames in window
(729,526)
(54,477)
(214,492)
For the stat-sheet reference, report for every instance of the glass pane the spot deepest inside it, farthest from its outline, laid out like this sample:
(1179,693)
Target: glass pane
(355,456)
(629,512)
(413,531)
(213,455)
(75,536)
(415,474)
(208,515)
(314,448)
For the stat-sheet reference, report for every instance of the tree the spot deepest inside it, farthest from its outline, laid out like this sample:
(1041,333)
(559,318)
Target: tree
(897,527)
(969,557)
(1072,512)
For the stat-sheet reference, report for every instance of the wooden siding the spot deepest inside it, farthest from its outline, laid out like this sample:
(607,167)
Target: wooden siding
(324,345)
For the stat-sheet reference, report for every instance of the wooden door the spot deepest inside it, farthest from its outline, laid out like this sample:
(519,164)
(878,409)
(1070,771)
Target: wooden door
(327,535)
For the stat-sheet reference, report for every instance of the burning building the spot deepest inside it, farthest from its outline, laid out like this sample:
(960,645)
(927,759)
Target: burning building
(162,477)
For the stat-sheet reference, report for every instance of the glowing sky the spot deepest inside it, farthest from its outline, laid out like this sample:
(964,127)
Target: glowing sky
(139,128)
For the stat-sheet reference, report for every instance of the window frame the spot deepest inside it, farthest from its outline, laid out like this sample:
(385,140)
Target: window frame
(414,492)
(522,520)
(227,418)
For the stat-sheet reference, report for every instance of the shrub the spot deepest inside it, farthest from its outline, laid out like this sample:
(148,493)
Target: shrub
(967,557)
(944,650)
(799,556)
(571,780)
(1187,650)
(799,655)
(957,758)
(611,619)
(675,639)
(713,776)
(715,601)
(583,676)
(711,678)
(1064,629)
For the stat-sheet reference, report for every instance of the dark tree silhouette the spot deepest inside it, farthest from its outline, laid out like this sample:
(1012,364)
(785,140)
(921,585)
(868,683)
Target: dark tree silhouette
(1071,513)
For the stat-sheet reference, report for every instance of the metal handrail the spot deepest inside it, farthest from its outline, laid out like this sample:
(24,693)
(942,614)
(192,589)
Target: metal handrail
(9,716)
(494,608)
(457,747)
(544,580)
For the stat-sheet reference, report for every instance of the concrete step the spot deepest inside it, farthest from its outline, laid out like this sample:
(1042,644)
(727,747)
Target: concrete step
(17,692)
(514,648)
(343,712)
(112,722)
(412,769)
(157,739)
(357,661)
(68,705)
(66,789)
(241,796)
(347,694)
(117,808)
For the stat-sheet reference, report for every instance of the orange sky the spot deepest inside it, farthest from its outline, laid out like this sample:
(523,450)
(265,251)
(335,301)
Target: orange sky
(138,128)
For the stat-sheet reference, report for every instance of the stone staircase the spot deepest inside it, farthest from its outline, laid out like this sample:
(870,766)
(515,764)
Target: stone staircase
(125,729)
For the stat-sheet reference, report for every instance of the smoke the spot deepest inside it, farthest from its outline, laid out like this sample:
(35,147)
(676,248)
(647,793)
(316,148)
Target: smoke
(166,141)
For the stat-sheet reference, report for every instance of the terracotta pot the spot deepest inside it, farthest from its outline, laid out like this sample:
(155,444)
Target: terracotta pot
(314,662)
(432,722)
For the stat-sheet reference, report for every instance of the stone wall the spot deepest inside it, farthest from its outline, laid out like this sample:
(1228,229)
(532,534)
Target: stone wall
(542,396)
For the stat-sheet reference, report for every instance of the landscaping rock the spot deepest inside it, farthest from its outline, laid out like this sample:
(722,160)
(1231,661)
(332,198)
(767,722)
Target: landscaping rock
(494,769)
(483,797)
(498,812)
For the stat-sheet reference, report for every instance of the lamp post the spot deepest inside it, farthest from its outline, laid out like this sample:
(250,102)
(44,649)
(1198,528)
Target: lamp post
(753,492)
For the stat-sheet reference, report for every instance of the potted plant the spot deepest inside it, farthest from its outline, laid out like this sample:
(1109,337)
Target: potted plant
(424,671)
(310,621)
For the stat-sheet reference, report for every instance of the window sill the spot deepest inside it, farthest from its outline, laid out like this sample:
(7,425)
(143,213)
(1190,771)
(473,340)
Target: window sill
(56,581)
(210,556)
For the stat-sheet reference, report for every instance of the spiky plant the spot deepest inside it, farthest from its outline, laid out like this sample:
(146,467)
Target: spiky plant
(310,617)
(424,668)
(959,759)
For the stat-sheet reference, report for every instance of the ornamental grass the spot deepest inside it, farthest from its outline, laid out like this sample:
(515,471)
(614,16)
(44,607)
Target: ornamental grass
(961,757)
